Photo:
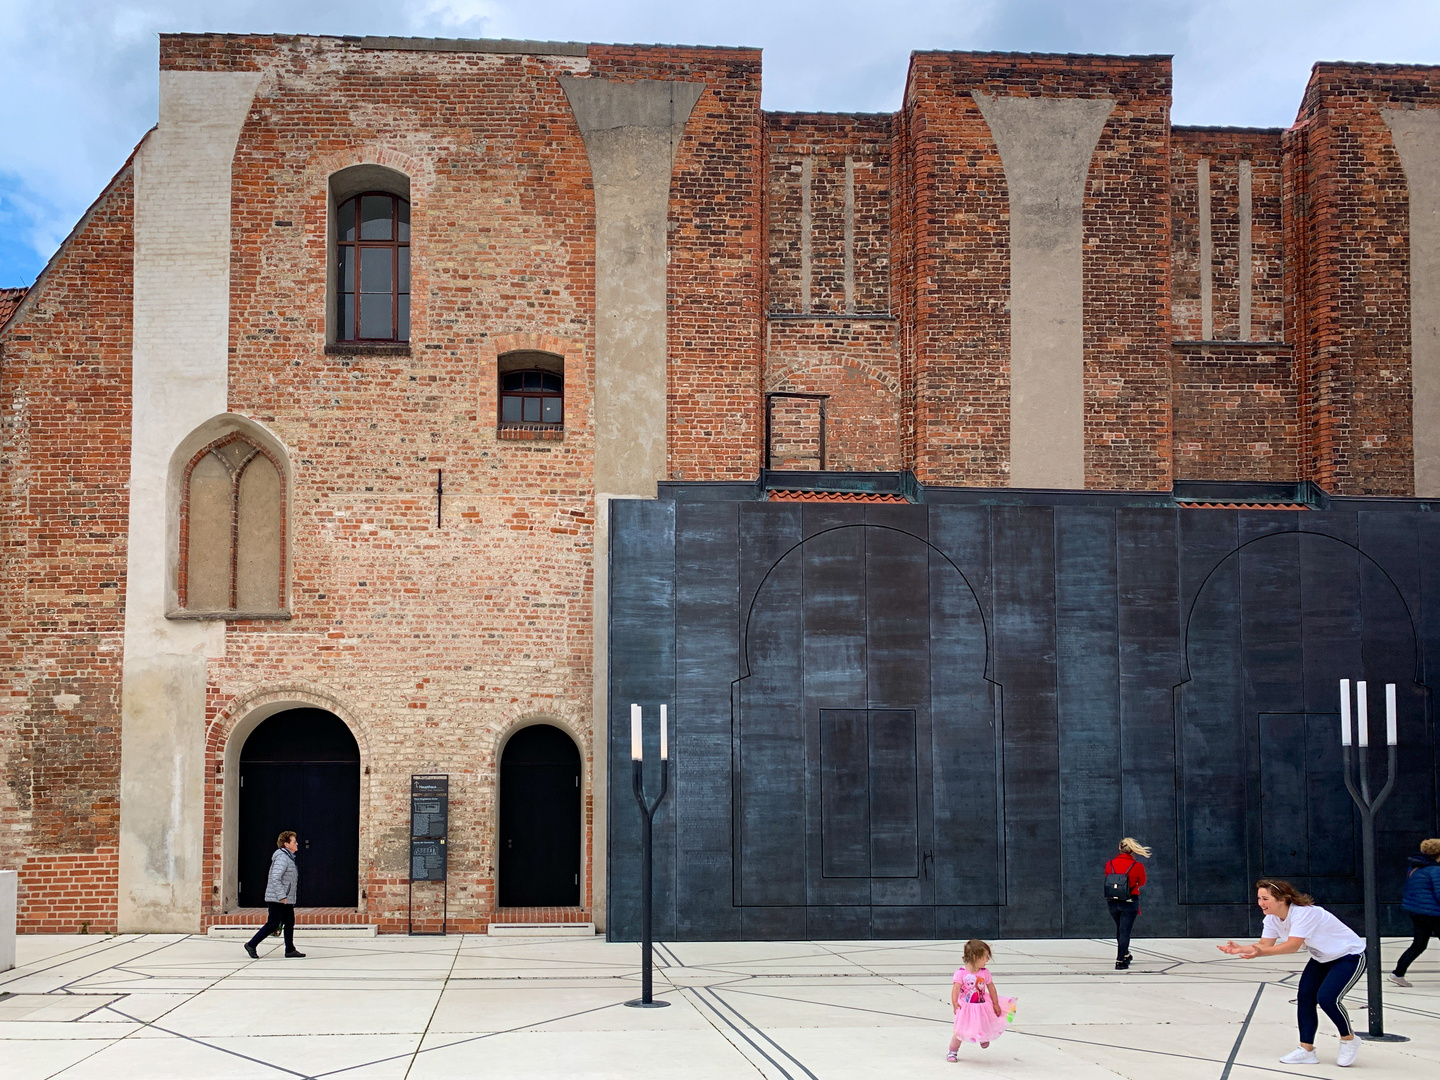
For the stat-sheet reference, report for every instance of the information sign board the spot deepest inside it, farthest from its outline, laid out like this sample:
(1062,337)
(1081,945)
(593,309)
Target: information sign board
(429,825)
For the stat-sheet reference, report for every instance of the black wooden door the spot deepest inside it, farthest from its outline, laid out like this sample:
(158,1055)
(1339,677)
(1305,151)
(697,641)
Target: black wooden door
(300,770)
(540,820)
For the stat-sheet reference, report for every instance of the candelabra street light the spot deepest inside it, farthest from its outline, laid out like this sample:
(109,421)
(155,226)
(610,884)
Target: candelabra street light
(647,854)
(1368,808)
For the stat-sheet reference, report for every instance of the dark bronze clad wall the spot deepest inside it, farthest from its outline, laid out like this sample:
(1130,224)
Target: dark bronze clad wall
(936,720)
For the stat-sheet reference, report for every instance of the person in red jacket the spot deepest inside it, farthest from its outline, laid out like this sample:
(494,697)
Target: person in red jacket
(1124,911)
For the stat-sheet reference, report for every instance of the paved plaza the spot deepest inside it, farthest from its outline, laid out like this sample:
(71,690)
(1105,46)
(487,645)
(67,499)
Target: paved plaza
(159,1006)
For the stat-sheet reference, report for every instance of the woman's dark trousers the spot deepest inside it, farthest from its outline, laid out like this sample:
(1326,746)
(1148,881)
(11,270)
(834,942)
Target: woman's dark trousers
(280,915)
(1123,912)
(1326,985)
(1425,927)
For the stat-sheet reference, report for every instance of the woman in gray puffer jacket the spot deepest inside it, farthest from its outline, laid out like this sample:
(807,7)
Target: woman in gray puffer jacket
(1422,902)
(281,892)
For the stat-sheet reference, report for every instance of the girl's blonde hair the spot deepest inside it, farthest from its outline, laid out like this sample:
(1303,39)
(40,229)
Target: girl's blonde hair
(975,949)
(1131,846)
(1431,848)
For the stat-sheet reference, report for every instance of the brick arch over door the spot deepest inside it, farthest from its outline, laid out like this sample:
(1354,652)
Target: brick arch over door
(224,741)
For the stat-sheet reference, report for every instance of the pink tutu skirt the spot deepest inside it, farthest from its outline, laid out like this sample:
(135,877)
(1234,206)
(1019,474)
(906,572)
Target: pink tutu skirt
(975,1021)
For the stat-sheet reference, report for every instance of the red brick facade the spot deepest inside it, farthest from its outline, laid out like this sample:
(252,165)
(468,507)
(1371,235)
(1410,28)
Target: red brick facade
(64,471)
(859,259)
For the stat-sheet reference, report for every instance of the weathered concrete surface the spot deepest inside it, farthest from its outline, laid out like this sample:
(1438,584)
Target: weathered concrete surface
(1045,146)
(631,130)
(1417,138)
(9,905)
(180,379)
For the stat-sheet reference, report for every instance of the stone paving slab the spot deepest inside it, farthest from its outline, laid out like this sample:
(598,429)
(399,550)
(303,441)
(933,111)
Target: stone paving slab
(162,1006)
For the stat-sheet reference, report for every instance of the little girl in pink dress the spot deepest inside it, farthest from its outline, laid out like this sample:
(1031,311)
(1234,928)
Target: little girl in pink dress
(981,1014)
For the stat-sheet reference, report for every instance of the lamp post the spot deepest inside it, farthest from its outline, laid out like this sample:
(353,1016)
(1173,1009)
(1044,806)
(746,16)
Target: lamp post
(1368,808)
(647,854)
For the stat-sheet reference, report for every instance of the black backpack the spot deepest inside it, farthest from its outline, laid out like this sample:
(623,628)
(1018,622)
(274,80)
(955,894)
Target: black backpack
(1117,887)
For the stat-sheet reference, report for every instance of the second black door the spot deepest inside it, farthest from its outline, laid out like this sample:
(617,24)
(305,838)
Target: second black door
(540,819)
(300,770)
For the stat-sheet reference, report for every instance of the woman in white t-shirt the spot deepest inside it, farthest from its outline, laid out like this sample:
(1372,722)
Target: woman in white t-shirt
(1337,960)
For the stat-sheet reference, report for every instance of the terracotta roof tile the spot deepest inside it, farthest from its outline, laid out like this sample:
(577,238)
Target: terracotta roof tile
(835,497)
(1243,506)
(9,301)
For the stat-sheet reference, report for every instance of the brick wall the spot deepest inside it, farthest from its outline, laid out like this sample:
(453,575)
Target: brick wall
(1225,149)
(1235,407)
(716,323)
(1348,275)
(957,348)
(64,471)
(821,268)
(444,637)
(1235,414)
(435,639)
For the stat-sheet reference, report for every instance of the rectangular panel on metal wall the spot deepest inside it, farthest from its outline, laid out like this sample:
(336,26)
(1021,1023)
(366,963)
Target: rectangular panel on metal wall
(1330,811)
(1088,687)
(770,814)
(966,862)
(868,779)
(1284,825)
(642,670)
(707,555)
(1024,559)
(894,820)
(845,793)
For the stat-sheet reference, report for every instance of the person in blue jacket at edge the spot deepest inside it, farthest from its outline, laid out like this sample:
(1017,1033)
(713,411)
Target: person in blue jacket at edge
(1422,902)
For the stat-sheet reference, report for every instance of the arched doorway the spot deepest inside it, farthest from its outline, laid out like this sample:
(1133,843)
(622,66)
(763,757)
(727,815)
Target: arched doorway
(540,819)
(300,770)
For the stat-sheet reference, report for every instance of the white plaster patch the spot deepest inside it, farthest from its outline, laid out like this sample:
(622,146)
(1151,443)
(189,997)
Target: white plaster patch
(1046,145)
(1417,139)
(179,380)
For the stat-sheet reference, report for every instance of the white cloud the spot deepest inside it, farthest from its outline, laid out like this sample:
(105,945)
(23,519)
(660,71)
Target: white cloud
(79,76)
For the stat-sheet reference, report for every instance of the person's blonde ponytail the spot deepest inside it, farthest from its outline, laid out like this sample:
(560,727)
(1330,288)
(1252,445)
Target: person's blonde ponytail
(1131,846)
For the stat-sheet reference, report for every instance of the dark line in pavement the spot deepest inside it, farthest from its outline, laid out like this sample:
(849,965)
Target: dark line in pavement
(758,1031)
(212,1046)
(701,993)
(1235,1050)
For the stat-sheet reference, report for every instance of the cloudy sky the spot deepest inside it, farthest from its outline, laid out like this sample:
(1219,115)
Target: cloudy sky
(78,77)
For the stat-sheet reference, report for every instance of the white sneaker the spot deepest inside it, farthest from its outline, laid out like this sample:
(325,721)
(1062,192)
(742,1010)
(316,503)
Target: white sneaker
(1400,980)
(1349,1051)
(1301,1056)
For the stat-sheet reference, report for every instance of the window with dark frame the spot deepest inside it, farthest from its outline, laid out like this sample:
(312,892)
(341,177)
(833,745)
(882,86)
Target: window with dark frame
(372,256)
(532,397)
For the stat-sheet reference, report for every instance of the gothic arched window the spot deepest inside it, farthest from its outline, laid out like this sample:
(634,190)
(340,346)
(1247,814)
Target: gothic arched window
(232,531)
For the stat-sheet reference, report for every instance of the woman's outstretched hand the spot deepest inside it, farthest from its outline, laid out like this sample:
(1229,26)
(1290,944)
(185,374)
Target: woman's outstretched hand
(1245,952)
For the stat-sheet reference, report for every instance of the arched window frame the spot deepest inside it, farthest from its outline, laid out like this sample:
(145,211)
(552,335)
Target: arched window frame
(237,472)
(350,182)
(352,248)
